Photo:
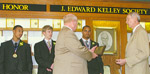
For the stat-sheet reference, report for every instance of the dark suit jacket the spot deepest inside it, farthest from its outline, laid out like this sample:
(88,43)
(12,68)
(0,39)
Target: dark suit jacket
(43,57)
(95,66)
(20,65)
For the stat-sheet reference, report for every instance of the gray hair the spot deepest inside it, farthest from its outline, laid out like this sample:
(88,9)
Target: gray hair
(135,14)
(69,18)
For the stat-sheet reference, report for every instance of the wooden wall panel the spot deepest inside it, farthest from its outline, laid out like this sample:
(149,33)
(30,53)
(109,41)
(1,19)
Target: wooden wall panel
(110,59)
(89,17)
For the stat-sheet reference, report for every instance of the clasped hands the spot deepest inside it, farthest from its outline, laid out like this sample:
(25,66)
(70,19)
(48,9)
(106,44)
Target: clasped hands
(50,69)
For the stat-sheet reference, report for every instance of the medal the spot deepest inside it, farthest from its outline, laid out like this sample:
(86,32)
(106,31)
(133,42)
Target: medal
(14,55)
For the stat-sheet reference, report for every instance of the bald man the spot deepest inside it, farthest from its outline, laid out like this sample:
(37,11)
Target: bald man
(137,49)
(70,56)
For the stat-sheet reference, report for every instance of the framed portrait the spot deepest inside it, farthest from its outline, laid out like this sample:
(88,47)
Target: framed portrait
(79,24)
(106,36)
(34,23)
(10,22)
(56,23)
(25,35)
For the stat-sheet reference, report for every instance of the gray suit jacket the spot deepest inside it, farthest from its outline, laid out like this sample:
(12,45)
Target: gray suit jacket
(70,56)
(137,53)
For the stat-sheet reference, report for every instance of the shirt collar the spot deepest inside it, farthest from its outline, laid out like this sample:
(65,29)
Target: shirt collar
(15,42)
(48,40)
(86,40)
(68,27)
(135,28)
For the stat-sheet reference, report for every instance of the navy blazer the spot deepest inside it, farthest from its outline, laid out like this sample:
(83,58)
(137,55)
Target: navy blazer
(20,65)
(95,66)
(43,57)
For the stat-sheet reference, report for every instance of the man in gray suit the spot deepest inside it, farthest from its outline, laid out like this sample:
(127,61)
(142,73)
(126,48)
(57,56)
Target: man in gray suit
(70,56)
(137,49)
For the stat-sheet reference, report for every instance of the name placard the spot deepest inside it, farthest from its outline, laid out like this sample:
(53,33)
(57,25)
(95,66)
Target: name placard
(97,9)
(22,7)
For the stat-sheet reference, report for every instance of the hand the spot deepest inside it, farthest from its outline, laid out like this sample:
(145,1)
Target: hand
(52,66)
(94,55)
(93,49)
(120,61)
(48,69)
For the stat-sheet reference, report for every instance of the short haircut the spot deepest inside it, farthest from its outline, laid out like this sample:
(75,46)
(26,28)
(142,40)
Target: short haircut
(47,27)
(135,14)
(69,18)
(85,27)
(17,26)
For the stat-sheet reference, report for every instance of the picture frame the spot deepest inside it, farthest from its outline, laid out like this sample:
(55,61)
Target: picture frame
(25,35)
(2,22)
(56,23)
(34,23)
(79,25)
(10,22)
(106,36)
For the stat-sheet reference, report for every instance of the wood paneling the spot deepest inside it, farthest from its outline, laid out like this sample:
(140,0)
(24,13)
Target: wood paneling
(89,17)
(110,59)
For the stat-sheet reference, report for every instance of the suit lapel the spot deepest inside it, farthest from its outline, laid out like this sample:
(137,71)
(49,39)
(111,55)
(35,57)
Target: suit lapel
(82,42)
(45,48)
(20,45)
(53,45)
(11,47)
(133,36)
(91,45)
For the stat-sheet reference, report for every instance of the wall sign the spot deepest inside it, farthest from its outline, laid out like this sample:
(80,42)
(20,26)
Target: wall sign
(97,9)
(22,7)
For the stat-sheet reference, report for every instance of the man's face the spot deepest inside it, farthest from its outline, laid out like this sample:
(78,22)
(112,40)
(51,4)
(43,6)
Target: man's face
(131,21)
(18,32)
(86,32)
(48,34)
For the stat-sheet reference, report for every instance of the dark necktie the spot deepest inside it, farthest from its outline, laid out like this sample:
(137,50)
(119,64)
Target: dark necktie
(16,46)
(86,42)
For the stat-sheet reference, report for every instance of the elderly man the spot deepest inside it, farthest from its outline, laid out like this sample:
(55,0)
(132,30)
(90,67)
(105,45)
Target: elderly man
(137,50)
(70,56)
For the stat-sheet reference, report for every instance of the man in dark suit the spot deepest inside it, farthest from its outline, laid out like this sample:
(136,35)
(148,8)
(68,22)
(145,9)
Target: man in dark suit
(95,66)
(44,51)
(15,55)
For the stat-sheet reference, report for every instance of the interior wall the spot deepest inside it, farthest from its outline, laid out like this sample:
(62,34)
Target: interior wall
(89,17)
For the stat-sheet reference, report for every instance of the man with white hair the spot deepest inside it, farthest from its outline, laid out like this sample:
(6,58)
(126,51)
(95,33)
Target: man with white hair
(137,49)
(70,56)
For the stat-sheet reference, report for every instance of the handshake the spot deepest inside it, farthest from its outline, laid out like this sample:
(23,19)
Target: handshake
(97,51)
